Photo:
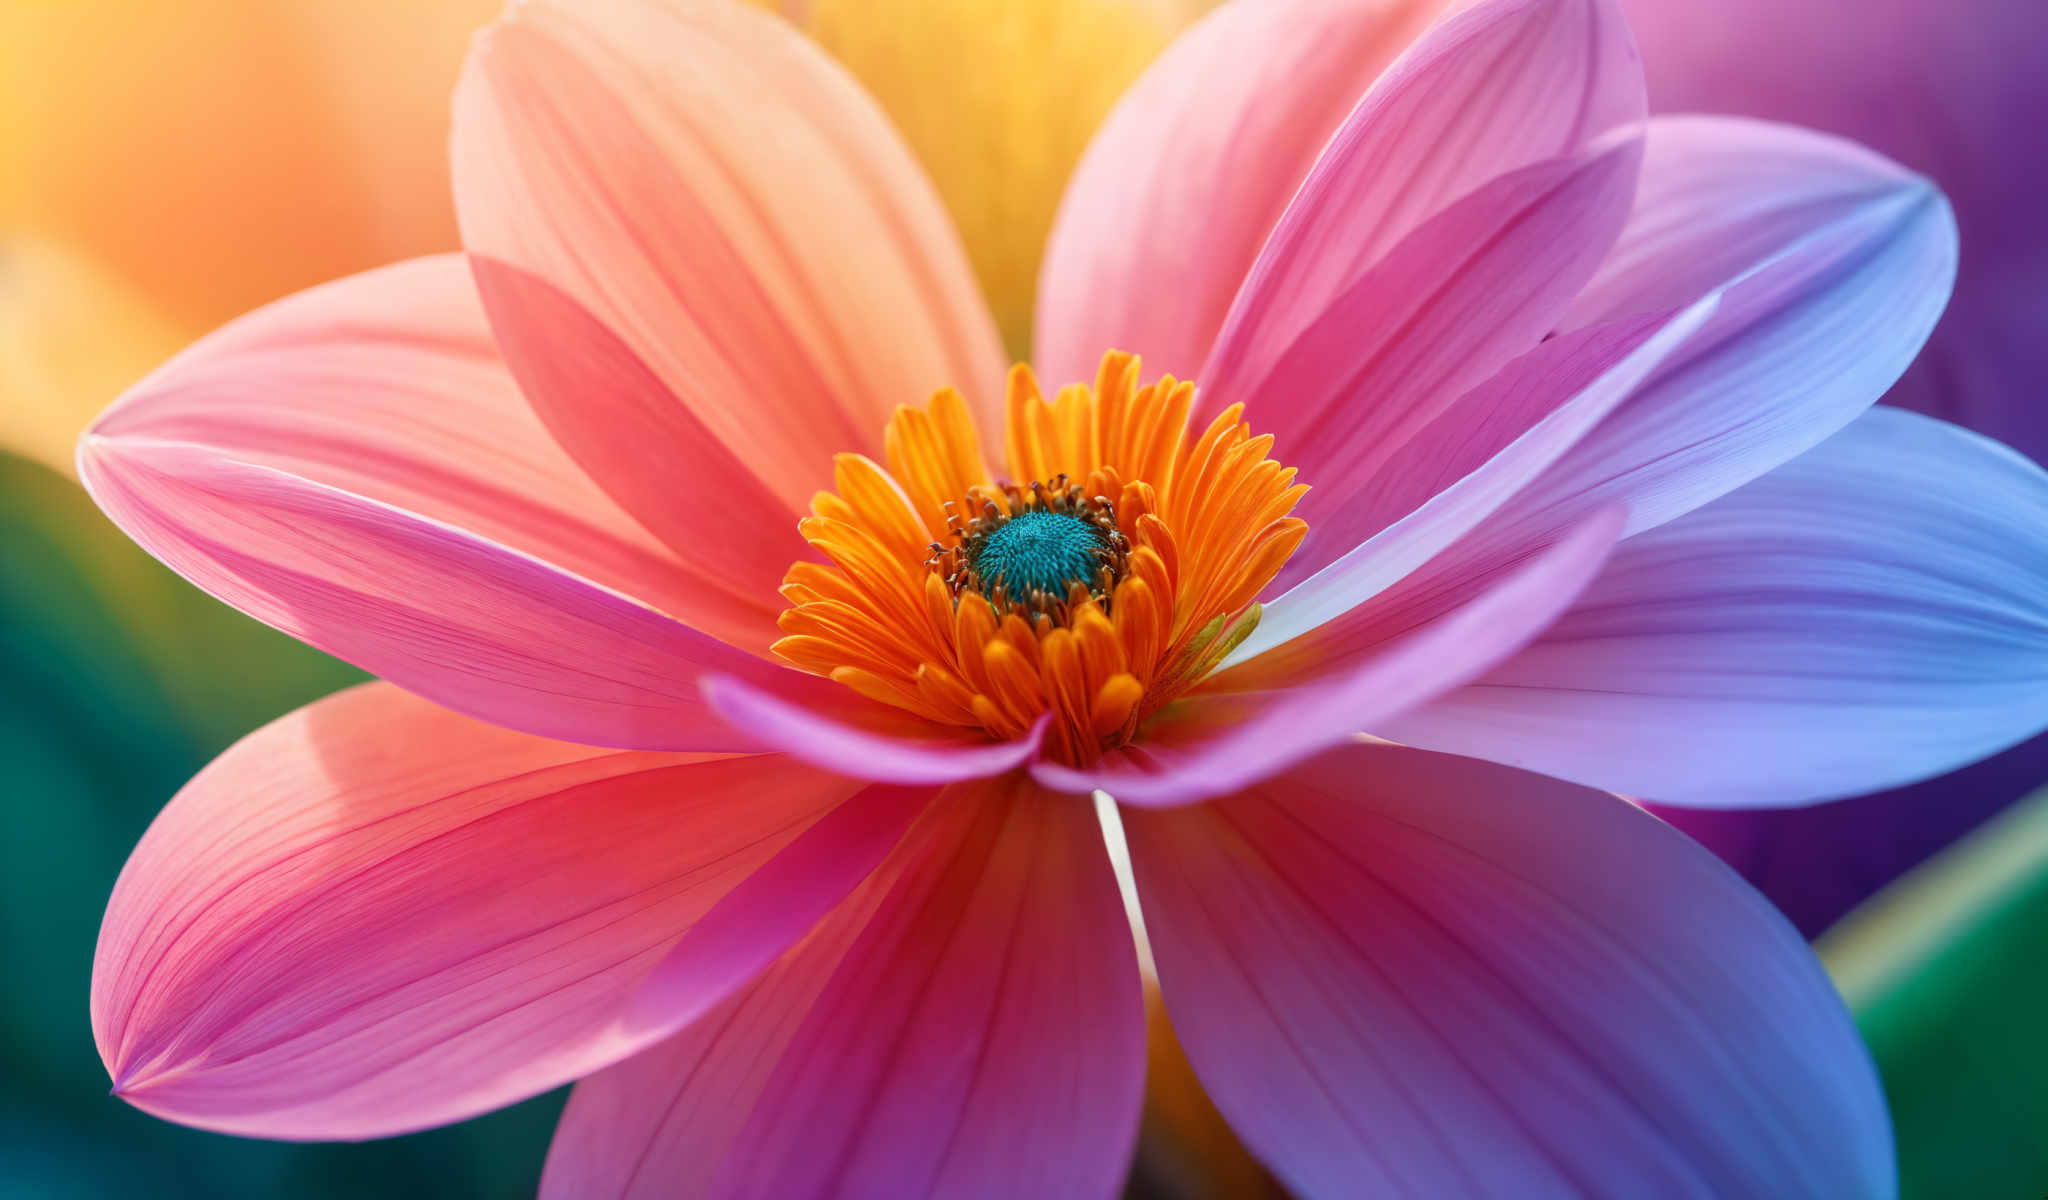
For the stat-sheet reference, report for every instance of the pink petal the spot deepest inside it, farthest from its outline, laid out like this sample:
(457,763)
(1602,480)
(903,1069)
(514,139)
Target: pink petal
(976,986)
(1719,195)
(707,184)
(648,452)
(906,755)
(1489,445)
(388,385)
(984,1035)
(1274,711)
(1833,265)
(374,915)
(1367,379)
(773,910)
(659,1123)
(1496,89)
(463,621)
(1799,340)
(1850,621)
(1172,200)
(1404,973)
(1567,381)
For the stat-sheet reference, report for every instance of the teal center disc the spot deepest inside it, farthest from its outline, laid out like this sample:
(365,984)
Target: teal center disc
(1037,550)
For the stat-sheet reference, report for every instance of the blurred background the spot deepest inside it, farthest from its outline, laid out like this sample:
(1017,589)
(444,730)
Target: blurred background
(165,166)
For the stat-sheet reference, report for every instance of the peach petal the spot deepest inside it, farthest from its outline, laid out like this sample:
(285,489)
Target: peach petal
(389,386)
(1170,203)
(707,184)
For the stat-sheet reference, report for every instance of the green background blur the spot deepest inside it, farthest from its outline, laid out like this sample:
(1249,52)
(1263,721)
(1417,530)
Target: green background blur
(120,681)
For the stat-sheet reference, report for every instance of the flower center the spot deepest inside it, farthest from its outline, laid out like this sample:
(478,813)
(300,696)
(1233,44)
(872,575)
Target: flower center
(1036,554)
(1098,593)
(1045,549)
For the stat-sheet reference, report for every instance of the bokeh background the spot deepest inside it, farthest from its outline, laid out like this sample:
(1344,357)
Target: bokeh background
(167,164)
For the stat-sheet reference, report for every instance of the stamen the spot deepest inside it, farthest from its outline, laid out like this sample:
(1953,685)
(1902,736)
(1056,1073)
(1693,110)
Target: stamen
(1106,587)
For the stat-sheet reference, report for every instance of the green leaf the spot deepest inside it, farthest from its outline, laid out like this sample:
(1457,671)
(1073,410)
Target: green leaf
(1947,973)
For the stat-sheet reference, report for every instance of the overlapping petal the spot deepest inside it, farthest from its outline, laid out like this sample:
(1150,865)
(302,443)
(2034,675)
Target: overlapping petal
(659,1123)
(773,910)
(998,977)
(699,495)
(1371,378)
(1487,94)
(712,188)
(1170,203)
(447,615)
(1250,723)
(1850,621)
(389,386)
(1942,93)
(1834,265)
(1442,231)
(1402,972)
(460,620)
(985,972)
(1491,443)
(356,467)
(1808,271)
(374,915)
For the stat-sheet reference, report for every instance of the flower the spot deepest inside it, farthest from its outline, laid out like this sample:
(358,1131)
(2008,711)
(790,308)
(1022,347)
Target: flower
(775,829)
(1939,87)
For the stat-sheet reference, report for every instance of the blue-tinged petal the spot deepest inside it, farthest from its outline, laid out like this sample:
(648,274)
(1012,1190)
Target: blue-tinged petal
(1804,272)
(1512,428)
(1874,612)
(1240,726)
(1835,264)
(1405,973)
